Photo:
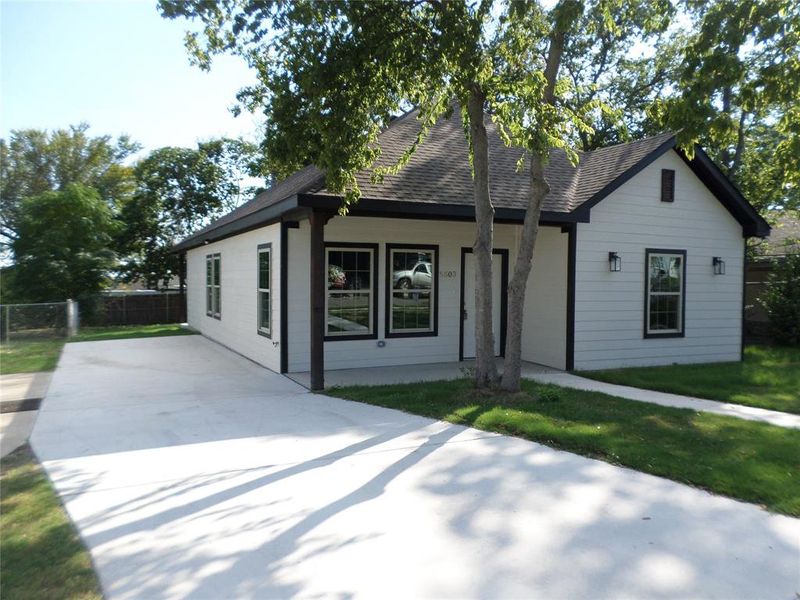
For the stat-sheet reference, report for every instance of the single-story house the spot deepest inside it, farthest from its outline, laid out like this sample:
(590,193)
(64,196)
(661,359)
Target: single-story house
(639,261)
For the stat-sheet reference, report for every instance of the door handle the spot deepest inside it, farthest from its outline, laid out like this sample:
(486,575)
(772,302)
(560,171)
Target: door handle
(464,314)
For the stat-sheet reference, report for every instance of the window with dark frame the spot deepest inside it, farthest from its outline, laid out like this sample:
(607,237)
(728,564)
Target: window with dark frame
(351,296)
(213,287)
(665,293)
(667,185)
(264,287)
(411,299)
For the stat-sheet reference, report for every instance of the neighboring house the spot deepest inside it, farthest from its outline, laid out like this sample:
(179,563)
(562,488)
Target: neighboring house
(623,273)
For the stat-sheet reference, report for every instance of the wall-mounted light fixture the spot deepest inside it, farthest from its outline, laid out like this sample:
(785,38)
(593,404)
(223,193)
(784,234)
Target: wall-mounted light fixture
(719,265)
(614,262)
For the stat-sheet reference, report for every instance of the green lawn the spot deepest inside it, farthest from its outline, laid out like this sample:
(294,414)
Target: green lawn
(769,377)
(41,556)
(29,356)
(747,460)
(41,354)
(97,334)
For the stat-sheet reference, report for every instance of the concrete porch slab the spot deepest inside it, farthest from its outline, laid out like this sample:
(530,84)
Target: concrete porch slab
(407,373)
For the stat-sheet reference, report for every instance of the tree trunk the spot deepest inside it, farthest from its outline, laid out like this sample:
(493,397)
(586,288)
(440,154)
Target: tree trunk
(530,228)
(485,365)
(519,280)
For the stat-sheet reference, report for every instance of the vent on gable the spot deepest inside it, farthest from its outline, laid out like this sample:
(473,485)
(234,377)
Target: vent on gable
(667,185)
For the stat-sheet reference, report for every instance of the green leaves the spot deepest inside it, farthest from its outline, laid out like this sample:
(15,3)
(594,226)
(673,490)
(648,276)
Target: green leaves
(63,245)
(179,190)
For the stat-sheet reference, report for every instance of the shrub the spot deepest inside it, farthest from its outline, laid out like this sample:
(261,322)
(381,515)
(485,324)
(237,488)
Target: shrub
(781,300)
(548,393)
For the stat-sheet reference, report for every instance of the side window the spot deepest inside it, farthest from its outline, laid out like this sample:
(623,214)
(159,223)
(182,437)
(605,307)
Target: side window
(665,292)
(264,300)
(411,300)
(213,286)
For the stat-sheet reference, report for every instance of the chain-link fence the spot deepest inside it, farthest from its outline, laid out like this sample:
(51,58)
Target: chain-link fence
(42,320)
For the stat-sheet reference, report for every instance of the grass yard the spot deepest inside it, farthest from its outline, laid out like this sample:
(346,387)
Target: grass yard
(747,460)
(41,354)
(769,377)
(41,555)
(97,334)
(29,356)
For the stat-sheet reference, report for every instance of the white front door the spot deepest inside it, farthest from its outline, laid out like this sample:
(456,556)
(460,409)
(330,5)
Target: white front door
(468,316)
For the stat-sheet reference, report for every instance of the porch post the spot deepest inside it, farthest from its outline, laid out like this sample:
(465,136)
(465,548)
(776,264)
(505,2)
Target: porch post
(317,221)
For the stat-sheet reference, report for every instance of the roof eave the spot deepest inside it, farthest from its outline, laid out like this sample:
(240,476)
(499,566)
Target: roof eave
(260,218)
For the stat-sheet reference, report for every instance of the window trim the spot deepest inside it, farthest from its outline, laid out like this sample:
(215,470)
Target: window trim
(210,310)
(262,248)
(682,329)
(388,295)
(375,248)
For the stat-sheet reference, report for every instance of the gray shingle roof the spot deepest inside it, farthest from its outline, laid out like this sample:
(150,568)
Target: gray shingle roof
(439,173)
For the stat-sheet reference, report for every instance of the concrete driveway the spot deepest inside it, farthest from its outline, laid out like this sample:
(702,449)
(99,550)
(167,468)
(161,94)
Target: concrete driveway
(191,472)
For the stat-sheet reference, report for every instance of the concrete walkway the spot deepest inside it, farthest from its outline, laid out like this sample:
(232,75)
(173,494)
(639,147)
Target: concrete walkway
(192,473)
(773,417)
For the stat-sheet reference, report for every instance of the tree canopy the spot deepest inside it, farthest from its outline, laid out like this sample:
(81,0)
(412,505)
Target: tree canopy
(34,161)
(177,191)
(62,247)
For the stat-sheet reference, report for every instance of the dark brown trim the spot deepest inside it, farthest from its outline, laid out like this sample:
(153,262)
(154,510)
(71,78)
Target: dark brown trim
(267,246)
(503,253)
(668,185)
(726,192)
(403,209)
(375,259)
(572,255)
(284,292)
(261,218)
(387,299)
(317,281)
(744,298)
(682,332)
(211,313)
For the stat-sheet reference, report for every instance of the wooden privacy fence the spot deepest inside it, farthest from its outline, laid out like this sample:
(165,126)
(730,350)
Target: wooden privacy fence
(756,319)
(141,309)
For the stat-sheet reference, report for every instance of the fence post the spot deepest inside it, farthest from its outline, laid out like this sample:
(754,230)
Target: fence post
(72,318)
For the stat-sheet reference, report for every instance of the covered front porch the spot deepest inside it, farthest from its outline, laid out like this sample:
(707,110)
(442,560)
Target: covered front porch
(389,299)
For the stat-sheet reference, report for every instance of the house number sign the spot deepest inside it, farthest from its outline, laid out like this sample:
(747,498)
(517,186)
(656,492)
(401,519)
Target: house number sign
(448,274)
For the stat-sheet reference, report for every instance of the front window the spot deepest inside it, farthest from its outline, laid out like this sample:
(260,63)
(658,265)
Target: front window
(213,287)
(264,299)
(666,271)
(411,306)
(351,291)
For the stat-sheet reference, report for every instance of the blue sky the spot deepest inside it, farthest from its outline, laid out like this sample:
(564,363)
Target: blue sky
(117,65)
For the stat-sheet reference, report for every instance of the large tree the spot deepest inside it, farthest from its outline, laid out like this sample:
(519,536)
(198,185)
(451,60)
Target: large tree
(62,247)
(34,161)
(177,191)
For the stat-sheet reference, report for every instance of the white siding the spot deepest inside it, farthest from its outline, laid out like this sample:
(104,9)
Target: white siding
(237,327)
(609,307)
(450,237)
(544,333)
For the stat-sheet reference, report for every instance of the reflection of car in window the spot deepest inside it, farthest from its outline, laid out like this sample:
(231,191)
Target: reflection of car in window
(418,277)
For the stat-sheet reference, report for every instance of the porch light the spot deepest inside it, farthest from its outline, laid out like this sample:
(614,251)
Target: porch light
(614,262)
(719,265)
